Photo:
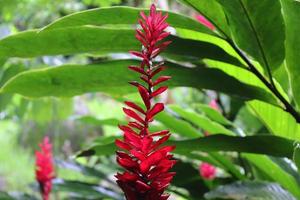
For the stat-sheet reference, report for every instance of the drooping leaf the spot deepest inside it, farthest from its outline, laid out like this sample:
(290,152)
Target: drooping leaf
(251,144)
(121,15)
(91,39)
(252,190)
(260,36)
(112,77)
(291,14)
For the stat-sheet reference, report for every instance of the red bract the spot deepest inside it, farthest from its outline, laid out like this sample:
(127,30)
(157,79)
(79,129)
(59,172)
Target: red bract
(207,171)
(205,22)
(142,154)
(44,170)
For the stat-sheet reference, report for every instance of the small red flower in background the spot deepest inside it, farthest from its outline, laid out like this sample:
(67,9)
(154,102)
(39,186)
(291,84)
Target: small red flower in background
(207,171)
(44,170)
(205,22)
(145,160)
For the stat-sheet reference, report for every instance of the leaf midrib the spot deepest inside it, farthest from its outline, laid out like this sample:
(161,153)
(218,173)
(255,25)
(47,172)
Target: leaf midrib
(256,38)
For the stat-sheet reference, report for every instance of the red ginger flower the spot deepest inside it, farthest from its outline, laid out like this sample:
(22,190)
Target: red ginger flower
(146,161)
(44,168)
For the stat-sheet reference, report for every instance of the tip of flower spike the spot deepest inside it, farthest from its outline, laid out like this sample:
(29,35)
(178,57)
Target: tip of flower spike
(45,143)
(153,9)
(44,170)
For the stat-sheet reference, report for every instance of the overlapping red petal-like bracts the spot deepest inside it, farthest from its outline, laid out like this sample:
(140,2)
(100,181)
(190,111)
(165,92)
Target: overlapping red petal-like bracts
(143,155)
(44,168)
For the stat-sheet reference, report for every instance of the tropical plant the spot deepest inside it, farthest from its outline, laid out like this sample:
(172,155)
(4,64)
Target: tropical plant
(242,53)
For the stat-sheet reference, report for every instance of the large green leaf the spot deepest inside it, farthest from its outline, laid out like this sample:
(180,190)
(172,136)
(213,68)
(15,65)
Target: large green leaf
(250,190)
(121,15)
(92,39)
(112,77)
(212,11)
(251,144)
(291,13)
(277,121)
(260,36)
(274,172)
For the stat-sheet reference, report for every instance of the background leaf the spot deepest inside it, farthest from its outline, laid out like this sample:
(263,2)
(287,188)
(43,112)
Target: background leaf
(201,121)
(250,190)
(274,173)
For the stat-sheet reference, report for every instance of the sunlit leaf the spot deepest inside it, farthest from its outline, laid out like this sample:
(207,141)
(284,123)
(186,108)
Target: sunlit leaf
(126,15)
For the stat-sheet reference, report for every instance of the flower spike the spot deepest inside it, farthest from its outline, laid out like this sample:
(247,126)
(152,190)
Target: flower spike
(142,154)
(44,168)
